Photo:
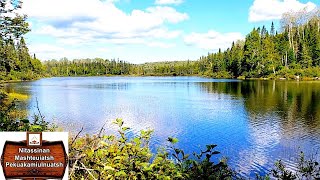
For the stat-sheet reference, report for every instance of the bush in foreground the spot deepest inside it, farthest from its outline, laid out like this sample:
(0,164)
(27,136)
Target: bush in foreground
(112,157)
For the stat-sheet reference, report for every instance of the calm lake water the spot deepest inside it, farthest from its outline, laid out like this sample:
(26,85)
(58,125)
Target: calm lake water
(254,123)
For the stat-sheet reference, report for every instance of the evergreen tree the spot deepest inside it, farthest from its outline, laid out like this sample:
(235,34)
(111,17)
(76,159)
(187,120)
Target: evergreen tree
(24,56)
(272,30)
(304,58)
(251,50)
(10,57)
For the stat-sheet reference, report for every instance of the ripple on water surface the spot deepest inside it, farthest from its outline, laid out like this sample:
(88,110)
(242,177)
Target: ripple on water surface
(254,123)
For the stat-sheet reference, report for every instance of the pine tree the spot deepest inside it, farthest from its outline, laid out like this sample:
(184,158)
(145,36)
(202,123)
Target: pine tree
(24,56)
(251,50)
(304,58)
(10,57)
(272,30)
(270,60)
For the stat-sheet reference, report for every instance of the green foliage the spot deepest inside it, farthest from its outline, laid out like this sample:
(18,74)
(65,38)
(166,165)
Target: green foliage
(201,166)
(260,55)
(98,67)
(173,140)
(294,52)
(88,67)
(12,26)
(112,157)
(269,55)
(15,60)
(306,169)
(16,63)
(280,172)
(120,157)
(9,121)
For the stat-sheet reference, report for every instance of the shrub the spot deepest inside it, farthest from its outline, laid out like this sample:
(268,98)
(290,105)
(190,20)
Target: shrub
(112,157)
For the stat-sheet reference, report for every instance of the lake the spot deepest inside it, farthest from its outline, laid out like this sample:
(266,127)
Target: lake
(253,122)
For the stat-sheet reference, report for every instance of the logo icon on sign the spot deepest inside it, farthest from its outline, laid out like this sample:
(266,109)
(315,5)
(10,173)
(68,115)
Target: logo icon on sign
(34,139)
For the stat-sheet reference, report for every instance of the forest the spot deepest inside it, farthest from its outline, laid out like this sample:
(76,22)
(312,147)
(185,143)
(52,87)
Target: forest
(295,51)
(292,52)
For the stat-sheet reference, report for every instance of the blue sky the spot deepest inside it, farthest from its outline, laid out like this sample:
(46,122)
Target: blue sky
(146,30)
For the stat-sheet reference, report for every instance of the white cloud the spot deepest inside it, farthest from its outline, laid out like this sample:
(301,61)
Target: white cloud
(50,10)
(99,15)
(120,41)
(212,40)
(167,14)
(162,2)
(161,45)
(76,37)
(46,51)
(138,22)
(163,33)
(263,10)
(76,22)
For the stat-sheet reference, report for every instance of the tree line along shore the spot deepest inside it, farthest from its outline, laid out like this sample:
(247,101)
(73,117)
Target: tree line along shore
(291,52)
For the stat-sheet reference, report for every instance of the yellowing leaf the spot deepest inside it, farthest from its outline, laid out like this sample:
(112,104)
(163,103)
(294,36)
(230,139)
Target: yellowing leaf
(108,168)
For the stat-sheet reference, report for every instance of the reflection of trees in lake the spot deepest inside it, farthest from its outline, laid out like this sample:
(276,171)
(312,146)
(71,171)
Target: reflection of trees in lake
(21,94)
(292,101)
(21,98)
(290,109)
(282,115)
(113,86)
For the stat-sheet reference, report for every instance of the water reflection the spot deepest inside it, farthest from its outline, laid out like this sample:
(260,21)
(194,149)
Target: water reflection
(21,96)
(283,118)
(253,122)
(113,86)
(295,103)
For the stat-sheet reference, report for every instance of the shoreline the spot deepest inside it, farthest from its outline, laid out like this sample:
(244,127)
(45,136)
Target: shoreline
(17,81)
(153,75)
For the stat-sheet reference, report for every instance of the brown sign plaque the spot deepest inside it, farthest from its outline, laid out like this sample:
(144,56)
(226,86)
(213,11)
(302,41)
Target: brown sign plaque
(20,159)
